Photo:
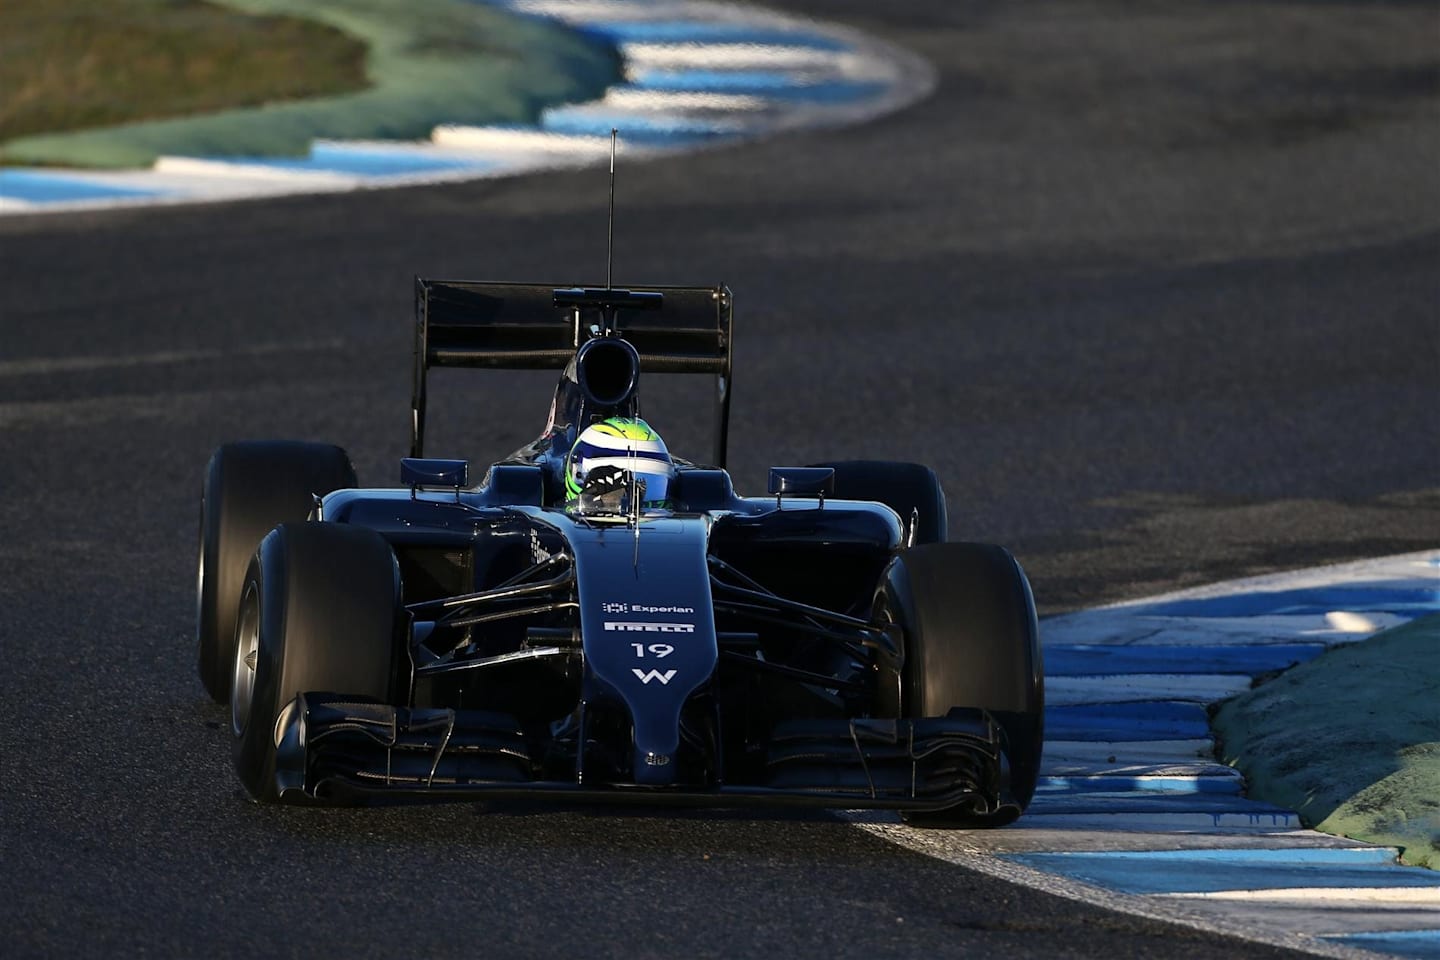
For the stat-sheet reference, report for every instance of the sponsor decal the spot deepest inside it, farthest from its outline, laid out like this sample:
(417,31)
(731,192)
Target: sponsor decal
(647,675)
(644,626)
(538,553)
(614,606)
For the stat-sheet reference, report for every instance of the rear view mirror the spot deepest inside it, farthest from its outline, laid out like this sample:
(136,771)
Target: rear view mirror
(802,481)
(428,472)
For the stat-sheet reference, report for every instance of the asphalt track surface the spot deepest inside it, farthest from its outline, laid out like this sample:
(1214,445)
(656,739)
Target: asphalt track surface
(1154,285)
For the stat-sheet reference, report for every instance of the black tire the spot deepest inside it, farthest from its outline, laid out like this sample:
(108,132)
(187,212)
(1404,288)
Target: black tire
(912,490)
(321,612)
(972,640)
(249,488)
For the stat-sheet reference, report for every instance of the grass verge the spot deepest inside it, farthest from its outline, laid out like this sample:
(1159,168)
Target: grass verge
(429,62)
(1350,740)
(75,64)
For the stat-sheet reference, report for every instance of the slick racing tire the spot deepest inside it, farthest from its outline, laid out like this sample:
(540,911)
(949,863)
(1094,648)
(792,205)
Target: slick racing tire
(912,490)
(320,612)
(249,488)
(972,640)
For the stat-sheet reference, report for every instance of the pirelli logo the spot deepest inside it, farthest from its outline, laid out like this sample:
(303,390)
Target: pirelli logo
(644,626)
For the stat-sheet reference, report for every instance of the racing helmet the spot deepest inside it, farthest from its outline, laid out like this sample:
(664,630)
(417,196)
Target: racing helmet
(618,466)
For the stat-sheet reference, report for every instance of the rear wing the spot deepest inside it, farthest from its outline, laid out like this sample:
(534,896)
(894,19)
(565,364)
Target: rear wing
(526,326)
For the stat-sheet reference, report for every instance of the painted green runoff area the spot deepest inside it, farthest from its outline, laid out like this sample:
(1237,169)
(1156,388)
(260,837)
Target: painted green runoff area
(1350,740)
(428,62)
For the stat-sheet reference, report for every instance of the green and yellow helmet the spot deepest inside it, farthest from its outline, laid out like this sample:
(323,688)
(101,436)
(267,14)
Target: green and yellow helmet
(613,459)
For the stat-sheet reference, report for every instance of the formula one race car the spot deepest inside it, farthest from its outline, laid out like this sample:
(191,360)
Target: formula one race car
(596,620)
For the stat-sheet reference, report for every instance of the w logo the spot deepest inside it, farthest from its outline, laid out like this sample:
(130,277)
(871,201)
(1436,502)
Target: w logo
(647,675)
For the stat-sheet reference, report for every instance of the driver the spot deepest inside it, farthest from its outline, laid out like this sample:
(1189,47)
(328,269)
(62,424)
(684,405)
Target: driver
(617,467)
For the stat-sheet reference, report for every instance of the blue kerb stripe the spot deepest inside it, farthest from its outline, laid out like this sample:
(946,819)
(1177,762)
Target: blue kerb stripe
(1051,786)
(632,126)
(1415,944)
(37,187)
(1210,871)
(1215,805)
(700,31)
(1079,660)
(1386,596)
(779,85)
(714,81)
(361,161)
(1148,720)
(379,161)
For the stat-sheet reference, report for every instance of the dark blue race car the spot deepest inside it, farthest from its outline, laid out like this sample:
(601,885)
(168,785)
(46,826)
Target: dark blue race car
(596,620)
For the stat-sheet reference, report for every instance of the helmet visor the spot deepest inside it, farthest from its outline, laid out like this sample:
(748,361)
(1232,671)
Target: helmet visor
(615,489)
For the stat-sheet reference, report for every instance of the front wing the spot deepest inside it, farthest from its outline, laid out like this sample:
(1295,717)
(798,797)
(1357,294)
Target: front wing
(338,749)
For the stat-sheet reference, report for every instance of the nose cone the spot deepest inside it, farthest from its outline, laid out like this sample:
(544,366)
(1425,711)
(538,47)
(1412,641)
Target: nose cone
(648,628)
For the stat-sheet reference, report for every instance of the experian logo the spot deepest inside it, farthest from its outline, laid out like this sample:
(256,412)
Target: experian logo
(637,626)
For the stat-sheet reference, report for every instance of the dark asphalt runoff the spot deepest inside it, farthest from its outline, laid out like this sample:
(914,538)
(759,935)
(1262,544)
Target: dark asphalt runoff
(1155,285)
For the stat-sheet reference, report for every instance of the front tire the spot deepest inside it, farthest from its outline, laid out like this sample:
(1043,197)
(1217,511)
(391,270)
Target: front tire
(249,488)
(972,640)
(321,611)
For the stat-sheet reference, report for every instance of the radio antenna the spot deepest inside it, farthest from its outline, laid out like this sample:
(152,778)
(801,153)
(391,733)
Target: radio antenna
(610,236)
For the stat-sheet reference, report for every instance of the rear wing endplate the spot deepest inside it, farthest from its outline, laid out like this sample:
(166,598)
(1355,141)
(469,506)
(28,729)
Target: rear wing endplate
(526,326)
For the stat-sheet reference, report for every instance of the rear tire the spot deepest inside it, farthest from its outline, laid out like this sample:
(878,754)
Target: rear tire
(249,488)
(912,490)
(321,612)
(972,640)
